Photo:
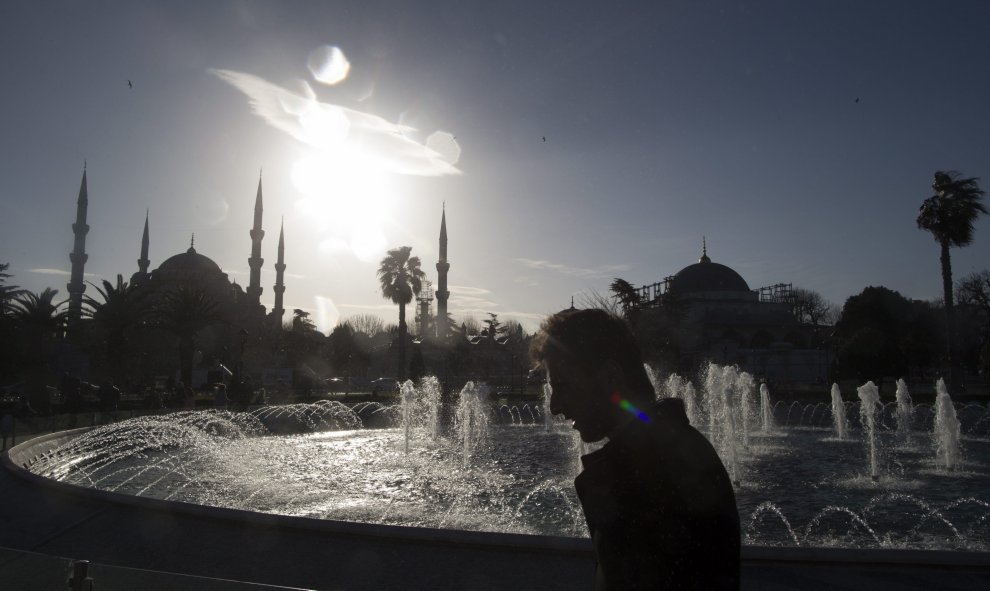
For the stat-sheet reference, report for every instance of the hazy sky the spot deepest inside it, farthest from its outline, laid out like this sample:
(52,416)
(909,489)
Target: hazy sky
(572,142)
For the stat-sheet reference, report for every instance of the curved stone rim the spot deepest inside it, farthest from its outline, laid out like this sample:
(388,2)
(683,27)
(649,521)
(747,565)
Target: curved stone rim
(13,461)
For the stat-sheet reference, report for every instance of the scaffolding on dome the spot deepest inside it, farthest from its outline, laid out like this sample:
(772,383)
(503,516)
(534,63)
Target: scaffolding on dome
(778,293)
(651,295)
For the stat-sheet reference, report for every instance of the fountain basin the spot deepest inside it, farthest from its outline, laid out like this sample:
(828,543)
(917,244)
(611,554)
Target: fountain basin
(113,528)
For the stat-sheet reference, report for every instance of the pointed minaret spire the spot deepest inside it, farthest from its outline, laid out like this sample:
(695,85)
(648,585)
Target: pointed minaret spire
(142,274)
(278,311)
(78,256)
(442,267)
(704,251)
(255,262)
(145,243)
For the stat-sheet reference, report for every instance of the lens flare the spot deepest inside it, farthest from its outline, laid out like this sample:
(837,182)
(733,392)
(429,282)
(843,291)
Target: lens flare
(627,406)
(328,65)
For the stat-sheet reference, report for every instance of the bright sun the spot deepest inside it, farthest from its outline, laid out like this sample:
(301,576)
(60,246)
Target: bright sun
(348,197)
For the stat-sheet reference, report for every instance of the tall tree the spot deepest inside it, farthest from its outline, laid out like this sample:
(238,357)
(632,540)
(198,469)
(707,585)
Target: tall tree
(38,321)
(810,307)
(7,292)
(369,324)
(627,296)
(39,314)
(493,328)
(301,322)
(882,333)
(184,313)
(974,290)
(401,278)
(950,215)
(122,309)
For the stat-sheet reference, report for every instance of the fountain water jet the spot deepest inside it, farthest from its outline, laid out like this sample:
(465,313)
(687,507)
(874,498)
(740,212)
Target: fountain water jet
(472,417)
(839,421)
(766,411)
(947,430)
(547,415)
(408,400)
(904,412)
(430,399)
(869,398)
(745,384)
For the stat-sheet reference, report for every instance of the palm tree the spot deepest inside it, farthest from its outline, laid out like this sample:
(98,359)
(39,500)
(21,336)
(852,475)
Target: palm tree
(628,297)
(185,312)
(38,322)
(122,309)
(39,314)
(7,292)
(950,215)
(400,277)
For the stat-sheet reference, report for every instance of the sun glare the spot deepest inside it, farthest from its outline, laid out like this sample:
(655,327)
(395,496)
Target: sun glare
(346,196)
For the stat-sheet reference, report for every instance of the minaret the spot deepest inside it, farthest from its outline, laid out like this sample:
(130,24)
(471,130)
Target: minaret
(78,255)
(142,275)
(255,262)
(442,267)
(279,289)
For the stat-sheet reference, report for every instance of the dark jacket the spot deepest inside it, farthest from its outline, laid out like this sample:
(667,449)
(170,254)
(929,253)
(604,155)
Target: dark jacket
(660,507)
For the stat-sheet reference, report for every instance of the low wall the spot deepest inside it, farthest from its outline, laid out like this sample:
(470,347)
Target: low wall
(66,520)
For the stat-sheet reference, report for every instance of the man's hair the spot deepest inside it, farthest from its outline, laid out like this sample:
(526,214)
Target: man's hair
(589,338)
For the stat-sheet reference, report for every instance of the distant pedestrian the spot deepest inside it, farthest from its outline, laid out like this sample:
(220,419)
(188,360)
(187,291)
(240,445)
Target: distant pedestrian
(8,426)
(220,398)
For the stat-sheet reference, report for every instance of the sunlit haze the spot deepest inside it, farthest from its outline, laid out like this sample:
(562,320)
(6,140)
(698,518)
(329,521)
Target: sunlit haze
(570,142)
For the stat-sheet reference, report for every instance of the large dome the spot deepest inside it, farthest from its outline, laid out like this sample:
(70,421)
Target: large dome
(706,276)
(189,261)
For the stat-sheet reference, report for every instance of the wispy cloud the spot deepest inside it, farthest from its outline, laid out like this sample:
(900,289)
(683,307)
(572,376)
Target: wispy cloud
(325,126)
(470,291)
(472,300)
(585,272)
(62,272)
(526,280)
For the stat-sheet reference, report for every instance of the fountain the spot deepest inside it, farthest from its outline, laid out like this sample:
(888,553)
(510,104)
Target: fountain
(547,415)
(946,432)
(677,387)
(869,398)
(472,418)
(494,472)
(766,412)
(904,412)
(407,394)
(839,421)
(690,403)
(745,384)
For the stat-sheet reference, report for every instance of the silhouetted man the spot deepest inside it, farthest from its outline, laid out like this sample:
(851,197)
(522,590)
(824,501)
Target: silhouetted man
(657,499)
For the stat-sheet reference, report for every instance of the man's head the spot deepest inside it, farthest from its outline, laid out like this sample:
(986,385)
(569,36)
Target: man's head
(592,362)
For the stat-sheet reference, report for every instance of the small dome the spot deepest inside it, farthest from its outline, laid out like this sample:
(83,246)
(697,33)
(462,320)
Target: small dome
(189,261)
(707,276)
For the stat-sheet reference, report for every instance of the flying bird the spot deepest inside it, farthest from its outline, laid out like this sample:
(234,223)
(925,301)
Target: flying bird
(544,139)
(857,99)
(129,85)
